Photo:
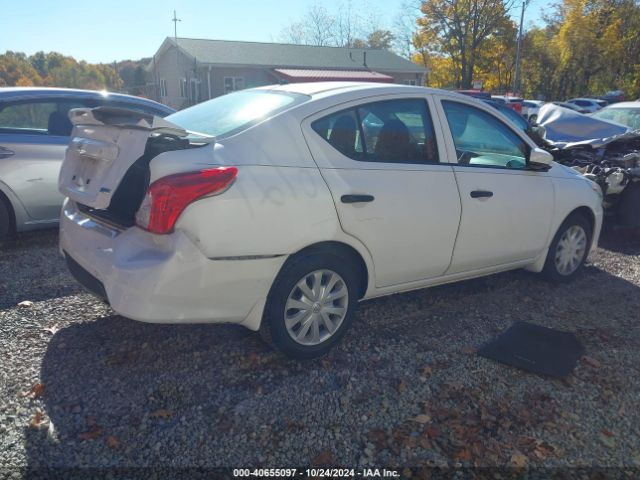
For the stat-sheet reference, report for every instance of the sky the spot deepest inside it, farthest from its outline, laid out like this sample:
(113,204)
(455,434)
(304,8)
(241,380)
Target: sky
(105,31)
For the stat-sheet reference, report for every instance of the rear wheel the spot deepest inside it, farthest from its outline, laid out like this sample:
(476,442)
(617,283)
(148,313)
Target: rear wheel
(311,304)
(568,249)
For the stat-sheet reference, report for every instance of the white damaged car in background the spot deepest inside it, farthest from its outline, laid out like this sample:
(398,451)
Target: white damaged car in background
(606,152)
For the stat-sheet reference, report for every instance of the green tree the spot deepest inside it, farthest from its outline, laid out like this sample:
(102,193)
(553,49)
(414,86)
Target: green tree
(16,70)
(382,39)
(460,28)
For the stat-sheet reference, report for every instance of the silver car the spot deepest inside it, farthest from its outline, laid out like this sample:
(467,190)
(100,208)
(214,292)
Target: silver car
(34,133)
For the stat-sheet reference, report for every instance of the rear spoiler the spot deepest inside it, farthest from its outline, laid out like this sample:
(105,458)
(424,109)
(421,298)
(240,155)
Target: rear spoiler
(124,118)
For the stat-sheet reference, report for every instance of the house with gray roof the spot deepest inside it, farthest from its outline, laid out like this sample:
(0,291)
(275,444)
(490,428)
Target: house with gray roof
(187,71)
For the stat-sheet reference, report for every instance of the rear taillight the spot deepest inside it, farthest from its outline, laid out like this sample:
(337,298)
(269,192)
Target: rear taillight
(167,197)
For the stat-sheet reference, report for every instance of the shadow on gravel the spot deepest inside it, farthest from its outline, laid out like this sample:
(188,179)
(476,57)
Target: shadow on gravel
(32,269)
(123,393)
(620,240)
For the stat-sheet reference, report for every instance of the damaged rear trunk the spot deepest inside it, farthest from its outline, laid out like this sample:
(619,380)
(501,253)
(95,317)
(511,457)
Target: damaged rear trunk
(107,166)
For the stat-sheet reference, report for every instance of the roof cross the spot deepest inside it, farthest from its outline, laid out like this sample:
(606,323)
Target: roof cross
(175,21)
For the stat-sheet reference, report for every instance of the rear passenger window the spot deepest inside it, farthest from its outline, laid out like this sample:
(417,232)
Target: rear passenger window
(393,131)
(342,132)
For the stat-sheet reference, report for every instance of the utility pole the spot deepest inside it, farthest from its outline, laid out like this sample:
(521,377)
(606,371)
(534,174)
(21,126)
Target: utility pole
(516,77)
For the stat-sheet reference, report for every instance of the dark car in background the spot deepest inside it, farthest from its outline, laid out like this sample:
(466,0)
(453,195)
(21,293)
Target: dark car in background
(34,133)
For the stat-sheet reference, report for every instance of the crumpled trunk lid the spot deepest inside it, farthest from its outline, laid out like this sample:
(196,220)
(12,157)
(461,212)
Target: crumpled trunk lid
(105,143)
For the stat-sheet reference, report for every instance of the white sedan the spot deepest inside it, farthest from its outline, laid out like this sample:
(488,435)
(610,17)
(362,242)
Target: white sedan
(588,104)
(279,208)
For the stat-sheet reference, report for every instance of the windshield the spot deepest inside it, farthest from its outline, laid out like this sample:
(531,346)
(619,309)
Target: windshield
(629,117)
(230,114)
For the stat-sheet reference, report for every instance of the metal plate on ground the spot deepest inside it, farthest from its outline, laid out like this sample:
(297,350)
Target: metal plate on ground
(535,349)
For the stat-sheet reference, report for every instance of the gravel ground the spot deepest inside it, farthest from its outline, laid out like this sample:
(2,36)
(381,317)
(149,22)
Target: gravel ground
(81,386)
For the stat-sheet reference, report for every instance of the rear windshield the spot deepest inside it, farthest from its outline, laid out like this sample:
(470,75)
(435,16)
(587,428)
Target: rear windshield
(229,114)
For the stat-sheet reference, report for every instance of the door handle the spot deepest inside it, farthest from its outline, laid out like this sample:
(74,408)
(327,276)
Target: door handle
(356,198)
(481,194)
(5,152)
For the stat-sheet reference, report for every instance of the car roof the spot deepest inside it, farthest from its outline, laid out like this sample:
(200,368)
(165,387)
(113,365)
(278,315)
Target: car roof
(18,93)
(321,88)
(583,98)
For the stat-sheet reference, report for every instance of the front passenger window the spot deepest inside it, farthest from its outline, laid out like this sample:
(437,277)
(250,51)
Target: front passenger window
(483,140)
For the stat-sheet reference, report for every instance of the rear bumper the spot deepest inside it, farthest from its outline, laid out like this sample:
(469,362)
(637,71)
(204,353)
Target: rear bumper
(163,278)
(84,278)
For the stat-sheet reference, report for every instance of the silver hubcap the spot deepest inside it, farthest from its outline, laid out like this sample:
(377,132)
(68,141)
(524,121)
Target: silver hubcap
(570,250)
(316,307)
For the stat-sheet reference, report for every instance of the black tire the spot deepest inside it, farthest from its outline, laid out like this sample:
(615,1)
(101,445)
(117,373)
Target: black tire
(551,270)
(273,329)
(6,221)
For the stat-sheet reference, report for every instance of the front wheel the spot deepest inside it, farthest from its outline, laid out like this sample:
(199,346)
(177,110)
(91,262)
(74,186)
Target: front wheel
(568,250)
(311,304)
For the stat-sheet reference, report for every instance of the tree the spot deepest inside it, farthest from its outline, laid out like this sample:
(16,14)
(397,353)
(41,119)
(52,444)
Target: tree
(16,70)
(587,47)
(317,28)
(55,70)
(460,28)
(495,64)
(539,64)
(405,26)
(344,27)
(382,39)
(347,25)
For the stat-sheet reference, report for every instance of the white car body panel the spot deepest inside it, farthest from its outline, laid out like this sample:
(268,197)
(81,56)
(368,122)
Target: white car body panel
(422,229)
(533,203)
(397,227)
(166,278)
(517,211)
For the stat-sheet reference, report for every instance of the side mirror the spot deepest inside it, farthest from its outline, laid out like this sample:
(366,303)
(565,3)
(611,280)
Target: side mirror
(540,160)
